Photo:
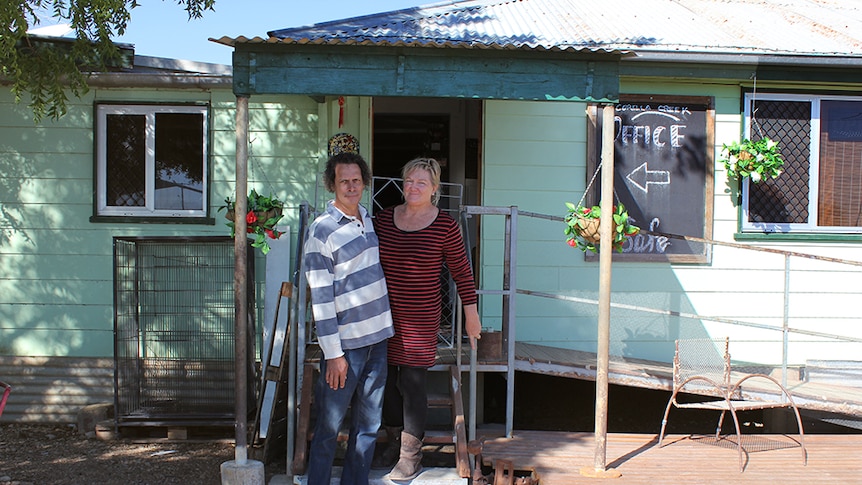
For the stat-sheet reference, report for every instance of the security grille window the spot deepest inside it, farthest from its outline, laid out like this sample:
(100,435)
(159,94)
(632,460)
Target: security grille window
(820,138)
(151,160)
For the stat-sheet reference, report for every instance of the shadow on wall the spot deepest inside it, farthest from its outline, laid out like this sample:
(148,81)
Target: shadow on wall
(42,200)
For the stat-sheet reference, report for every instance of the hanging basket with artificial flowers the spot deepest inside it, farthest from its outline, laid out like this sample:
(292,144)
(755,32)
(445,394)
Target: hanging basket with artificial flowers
(582,227)
(756,160)
(262,216)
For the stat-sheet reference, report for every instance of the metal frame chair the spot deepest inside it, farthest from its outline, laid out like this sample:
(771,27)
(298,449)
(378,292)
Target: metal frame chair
(697,370)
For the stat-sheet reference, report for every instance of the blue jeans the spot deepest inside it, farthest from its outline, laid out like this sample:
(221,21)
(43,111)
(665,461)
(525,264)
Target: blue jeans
(363,394)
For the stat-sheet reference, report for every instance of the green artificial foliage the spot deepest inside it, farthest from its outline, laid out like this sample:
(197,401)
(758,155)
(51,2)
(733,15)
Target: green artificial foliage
(756,160)
(262,216)
(582,227)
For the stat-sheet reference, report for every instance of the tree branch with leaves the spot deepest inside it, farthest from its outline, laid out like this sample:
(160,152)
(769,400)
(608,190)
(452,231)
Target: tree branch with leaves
(48,69)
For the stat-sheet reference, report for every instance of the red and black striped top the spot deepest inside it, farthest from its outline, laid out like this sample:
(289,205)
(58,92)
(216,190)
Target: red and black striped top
(412,263)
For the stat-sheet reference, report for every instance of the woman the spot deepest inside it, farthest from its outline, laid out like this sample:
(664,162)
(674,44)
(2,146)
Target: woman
(416,240)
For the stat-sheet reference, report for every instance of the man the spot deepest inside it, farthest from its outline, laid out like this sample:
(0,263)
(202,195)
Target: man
(350,305)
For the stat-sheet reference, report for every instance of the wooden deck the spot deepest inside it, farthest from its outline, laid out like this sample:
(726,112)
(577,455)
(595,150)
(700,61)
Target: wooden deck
(557,457)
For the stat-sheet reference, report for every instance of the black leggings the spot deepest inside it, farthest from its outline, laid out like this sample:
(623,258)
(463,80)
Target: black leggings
(405,400)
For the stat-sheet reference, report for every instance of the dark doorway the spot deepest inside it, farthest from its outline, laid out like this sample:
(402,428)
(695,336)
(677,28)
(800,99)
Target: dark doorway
(399,138)
(446,129)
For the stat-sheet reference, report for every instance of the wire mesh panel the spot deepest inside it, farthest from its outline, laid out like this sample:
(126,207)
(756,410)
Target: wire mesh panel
(784,199)
(174,327)
(701,358)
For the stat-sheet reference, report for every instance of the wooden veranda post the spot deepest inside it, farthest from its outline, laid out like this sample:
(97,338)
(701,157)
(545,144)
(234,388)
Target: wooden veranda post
(240,287)
(604,309)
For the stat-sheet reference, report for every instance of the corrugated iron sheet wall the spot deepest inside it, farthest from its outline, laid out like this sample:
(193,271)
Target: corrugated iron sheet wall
(54,389)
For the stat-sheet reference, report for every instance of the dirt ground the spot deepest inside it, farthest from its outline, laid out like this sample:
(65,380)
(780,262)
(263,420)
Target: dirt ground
(33,454)
(37,454)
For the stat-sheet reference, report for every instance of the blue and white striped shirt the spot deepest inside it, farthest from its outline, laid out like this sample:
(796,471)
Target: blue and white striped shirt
(349,299)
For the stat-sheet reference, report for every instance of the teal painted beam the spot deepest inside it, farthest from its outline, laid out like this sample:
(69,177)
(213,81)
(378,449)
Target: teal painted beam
(425,72)
(741,72)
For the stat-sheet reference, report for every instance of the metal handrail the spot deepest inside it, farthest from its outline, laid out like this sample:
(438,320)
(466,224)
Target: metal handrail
(673,313)
(508,292)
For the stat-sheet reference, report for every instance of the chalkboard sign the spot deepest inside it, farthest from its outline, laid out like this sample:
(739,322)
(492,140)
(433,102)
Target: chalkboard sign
(663,174)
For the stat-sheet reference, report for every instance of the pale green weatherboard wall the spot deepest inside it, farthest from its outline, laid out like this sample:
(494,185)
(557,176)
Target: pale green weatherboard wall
(56,274)
(535,158)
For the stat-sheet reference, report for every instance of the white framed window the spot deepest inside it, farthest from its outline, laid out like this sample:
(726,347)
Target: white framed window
(820,139)
(151,160)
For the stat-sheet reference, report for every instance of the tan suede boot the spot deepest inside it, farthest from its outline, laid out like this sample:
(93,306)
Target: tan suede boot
(389,456)
(410,463)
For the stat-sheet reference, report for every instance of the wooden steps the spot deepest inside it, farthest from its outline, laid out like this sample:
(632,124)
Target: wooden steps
(457,436)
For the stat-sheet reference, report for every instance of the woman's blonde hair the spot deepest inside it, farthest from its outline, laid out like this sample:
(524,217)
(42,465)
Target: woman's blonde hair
(432,167)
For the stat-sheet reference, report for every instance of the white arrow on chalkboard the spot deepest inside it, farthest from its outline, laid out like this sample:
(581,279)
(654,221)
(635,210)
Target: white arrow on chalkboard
(642,177)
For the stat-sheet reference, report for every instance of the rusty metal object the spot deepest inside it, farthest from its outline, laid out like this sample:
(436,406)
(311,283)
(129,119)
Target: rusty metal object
(474,447)
(490,347)
(504,472)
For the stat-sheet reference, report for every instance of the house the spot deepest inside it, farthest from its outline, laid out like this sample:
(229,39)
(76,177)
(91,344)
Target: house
(509,95)
(63,205)
(518,83)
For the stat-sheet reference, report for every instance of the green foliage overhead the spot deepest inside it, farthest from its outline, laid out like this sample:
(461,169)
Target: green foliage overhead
(46,69)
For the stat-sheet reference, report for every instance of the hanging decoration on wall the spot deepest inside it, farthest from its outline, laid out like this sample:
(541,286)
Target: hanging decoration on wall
(582,227)
(264,212)
(263,215)
(582,223)
(342,143)
(340,111)
(755,160)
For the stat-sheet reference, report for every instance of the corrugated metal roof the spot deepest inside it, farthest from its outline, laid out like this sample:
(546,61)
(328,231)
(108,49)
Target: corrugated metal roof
(794,27)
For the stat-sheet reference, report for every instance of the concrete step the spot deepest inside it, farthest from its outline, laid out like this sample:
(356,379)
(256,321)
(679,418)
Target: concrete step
(428,476)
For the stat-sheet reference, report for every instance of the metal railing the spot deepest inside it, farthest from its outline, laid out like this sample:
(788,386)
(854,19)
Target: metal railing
(509,290)
(785,318)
